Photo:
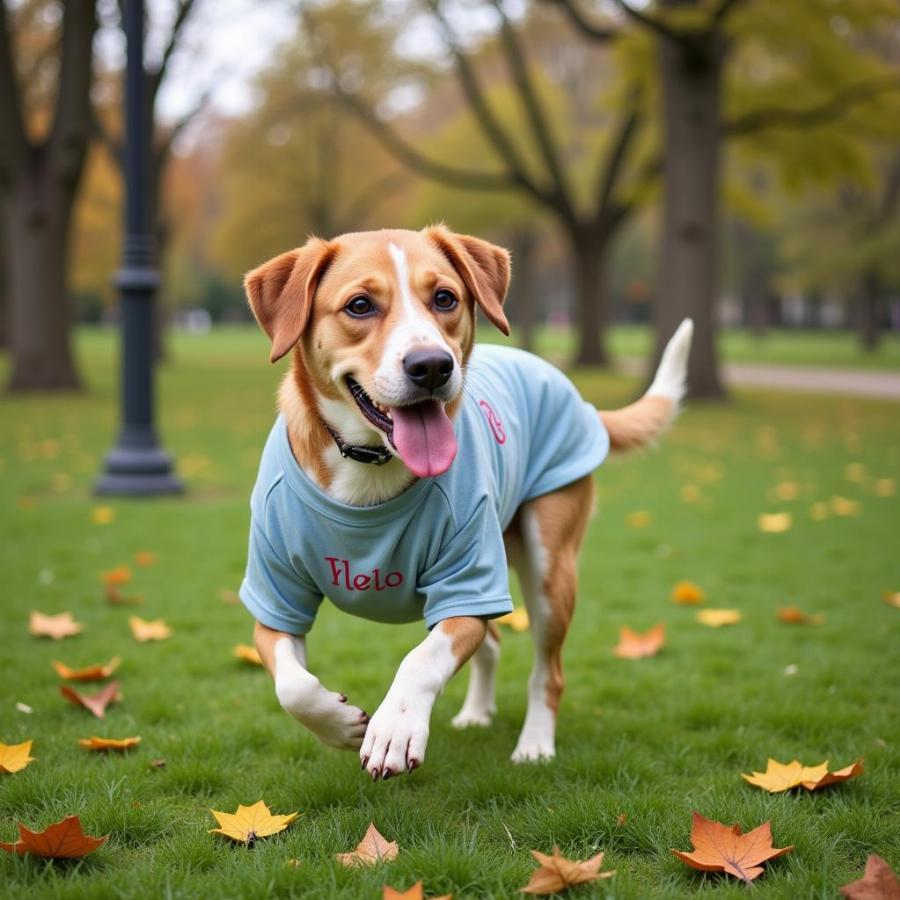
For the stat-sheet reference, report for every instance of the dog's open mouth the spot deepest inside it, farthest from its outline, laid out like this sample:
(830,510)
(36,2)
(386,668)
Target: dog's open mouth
(421,433)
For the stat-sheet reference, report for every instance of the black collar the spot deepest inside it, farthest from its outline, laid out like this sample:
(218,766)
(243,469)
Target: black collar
(376,455)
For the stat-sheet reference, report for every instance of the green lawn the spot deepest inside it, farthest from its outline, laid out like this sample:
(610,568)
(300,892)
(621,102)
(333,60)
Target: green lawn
(650,739)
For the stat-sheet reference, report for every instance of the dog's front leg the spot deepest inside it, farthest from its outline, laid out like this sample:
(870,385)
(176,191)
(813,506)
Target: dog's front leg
(325,713)
(398,731)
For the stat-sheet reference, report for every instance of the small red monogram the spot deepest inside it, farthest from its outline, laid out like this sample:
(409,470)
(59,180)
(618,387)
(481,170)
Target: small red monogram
(341,576)
(494,421)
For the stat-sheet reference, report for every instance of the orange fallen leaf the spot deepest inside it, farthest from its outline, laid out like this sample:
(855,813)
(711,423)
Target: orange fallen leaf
(556,873)
(115,577)
(145,558)
(718,848)
(372,849)
(103,515)
(792,615)
(517,619)
(62,840)
(145,630)
(892,598)
(95,703)
(774,523)
(687,592)
(99,743)
(633,645)
(96,672)
(716,618)
(878,882)
(638,519)
(250,823)
(416,892)
(840,775)
(15,757)
(248,654)
(56,627)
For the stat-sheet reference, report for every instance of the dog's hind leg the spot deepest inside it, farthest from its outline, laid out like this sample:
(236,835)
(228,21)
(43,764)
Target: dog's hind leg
(552,528)
(479,706)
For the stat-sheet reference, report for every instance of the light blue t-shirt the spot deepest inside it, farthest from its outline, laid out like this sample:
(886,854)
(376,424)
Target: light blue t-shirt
(436,550)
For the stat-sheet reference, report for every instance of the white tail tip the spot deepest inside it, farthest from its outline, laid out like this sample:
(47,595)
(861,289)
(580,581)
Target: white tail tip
(671,376)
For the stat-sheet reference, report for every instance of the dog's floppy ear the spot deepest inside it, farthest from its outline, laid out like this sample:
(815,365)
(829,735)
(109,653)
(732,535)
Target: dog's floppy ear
(483,267)
(280,292)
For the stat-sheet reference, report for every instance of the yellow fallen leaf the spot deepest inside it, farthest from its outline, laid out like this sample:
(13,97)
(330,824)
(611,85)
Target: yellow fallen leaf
(780,777)
(884,487)
(99,743)
(774,523)
(56,627)
(372,849)
(248,654)
(639,519)
(144,630)
(103,515)
(686,592)
(517,619)
(250,822)
(841,506)
(96,672)
(15,757)
(716,618)
(787,490)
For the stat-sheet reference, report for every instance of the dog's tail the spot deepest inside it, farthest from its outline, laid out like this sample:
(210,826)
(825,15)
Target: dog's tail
(643,421)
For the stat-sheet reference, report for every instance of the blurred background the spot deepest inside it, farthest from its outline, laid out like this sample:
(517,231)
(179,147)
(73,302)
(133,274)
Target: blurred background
(733,160)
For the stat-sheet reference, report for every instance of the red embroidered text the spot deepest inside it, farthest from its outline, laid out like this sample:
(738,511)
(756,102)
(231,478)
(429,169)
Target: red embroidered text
(342,576)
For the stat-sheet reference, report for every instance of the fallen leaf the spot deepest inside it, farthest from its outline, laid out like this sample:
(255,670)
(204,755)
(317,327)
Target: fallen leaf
(96,672)
(718,848)
(416,892)
(144,630)
(774,523)
(372,849)
(95,703)
(15,757)
(145,558)
(780,777)
(99,743)
(716,618)
(687,592)
(892,598)
(226,595)
(117,598)
(621,819)
(56,627)
(794,616)
(633,645)
(639,519)
(250,823)
(841,506)
(248,654)
(115,577)
(156,764)
(517,619)
(556,873)
(293,862)
(878,883)
(62,840)
(885,487)
(840,775)
(787,490)
(24,708)
(103,515)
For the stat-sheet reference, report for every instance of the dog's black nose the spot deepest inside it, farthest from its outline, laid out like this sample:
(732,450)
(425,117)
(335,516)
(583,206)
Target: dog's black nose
(429,368)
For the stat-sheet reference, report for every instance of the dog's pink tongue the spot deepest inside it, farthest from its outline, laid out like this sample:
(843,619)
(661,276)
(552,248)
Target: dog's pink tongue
(424,438)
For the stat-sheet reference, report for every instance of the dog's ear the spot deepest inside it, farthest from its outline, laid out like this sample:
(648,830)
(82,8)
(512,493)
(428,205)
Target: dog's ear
(483,267)
(280,292)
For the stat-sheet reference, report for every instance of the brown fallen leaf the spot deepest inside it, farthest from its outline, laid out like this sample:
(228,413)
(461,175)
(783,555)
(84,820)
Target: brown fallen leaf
(56,627)
(62,840)
(716,618)
(633,645)
(372,849)
(117,598)
(95,703)
(774,523)
(556,873)
(792,615)
(517,619)
(878,882)
(250,823)
(718,848)
(248,654)
(686,592)
(145,630)
(15,757)
(145,558)
(780,777)
(156,764)
(97,672)
(99,743)
(416,892)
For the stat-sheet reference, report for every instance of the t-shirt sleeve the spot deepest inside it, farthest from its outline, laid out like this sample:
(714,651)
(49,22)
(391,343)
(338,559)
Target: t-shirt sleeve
(274,592)
(470,576)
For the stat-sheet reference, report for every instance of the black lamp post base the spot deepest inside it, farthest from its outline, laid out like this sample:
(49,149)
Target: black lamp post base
(138,471)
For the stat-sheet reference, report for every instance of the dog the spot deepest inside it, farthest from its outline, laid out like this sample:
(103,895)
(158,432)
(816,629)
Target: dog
(408,469)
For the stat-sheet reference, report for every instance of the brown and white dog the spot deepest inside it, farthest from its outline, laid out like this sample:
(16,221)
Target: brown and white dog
(388,311)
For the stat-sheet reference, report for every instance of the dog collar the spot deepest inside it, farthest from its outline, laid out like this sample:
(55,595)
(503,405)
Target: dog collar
(376,455)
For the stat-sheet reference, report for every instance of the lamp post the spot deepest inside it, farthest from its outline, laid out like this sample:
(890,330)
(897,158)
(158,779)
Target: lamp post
(137,465)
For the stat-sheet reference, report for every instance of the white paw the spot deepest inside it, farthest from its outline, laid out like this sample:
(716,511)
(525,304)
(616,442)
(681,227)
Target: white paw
(395,739)
(472,718)
(326,714)
(533,751)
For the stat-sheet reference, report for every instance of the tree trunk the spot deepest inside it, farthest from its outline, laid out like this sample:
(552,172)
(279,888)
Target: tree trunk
(590,258)
(870,312)
(688,276)
(4,280)
(37,228)
(524,295)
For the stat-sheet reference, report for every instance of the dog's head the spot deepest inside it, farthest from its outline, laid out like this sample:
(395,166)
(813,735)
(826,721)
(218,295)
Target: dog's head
(383,323)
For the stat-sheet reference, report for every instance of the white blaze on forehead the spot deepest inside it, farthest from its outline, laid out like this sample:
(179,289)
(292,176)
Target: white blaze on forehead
(400,267)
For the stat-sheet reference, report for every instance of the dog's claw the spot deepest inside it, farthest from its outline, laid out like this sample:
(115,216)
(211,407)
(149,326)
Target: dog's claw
(365,762)
(342,698)
(386,774)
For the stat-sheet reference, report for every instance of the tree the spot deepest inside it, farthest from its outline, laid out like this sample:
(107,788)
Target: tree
(42,156)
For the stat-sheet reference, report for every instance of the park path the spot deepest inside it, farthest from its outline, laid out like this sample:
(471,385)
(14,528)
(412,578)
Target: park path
(805,379)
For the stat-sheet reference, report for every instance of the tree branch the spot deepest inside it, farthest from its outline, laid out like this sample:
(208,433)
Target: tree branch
(13,137)
(163,147)
(156,77)
(584,25)
(819,114)
(613,162)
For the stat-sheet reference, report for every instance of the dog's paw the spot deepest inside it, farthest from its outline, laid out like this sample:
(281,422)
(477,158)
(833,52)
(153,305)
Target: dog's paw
(395,739)
(472,718)
(326,714)
(533,751)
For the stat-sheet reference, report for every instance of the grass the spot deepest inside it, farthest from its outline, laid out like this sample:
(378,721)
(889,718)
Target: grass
(650,739)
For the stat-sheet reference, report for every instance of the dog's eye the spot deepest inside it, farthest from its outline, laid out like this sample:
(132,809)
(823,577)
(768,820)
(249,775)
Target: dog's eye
(360,305)
(445,300)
